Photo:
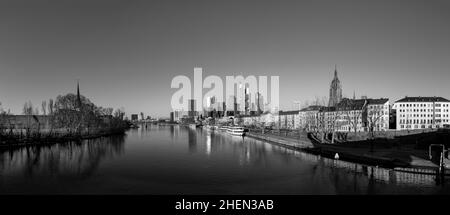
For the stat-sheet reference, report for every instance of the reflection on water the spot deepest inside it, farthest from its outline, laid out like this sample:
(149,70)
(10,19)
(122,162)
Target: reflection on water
(192,140)
(74,159)
(179,160)
(208,143)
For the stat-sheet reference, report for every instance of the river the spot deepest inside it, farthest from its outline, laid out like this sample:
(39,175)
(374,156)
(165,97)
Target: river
(163,159)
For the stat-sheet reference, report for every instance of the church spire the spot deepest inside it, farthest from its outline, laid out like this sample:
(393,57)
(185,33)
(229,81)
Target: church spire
(335,90)
(335,70)
(78,95)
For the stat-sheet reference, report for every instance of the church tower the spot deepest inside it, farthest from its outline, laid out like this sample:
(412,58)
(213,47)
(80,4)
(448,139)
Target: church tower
(78,96)
(335,90)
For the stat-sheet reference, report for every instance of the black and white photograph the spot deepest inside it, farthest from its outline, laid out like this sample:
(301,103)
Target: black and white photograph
(232,98)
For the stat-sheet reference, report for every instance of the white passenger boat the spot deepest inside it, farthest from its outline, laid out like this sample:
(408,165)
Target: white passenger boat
(223,128)
(236,130)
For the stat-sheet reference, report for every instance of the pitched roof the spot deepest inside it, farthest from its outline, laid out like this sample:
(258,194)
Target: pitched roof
(326,109)
(292,112)
(311,108)
(378,101)
(423,99)
(356,104)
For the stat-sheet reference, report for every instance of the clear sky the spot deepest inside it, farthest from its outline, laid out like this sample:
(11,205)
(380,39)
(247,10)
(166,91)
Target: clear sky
(126,53)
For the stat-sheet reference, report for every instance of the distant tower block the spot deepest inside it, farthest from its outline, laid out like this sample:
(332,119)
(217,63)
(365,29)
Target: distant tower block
(335,90)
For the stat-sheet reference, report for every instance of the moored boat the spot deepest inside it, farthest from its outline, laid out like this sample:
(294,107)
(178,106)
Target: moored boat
(236,130)
(223,128)
(134,126)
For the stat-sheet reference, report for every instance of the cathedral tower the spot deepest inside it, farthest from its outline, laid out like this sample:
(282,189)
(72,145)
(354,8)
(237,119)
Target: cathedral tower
(335,90)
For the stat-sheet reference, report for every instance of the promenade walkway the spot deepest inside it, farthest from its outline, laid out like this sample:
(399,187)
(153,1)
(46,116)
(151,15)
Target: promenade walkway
(401,156)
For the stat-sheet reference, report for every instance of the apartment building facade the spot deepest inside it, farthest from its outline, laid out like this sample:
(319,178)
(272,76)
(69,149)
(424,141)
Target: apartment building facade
(422,113)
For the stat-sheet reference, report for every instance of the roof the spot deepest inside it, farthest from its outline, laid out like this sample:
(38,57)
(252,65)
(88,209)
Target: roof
(352,103)
(292,112)
(378,101)
(356,104)
(423,99)
(311,108)
(327,109)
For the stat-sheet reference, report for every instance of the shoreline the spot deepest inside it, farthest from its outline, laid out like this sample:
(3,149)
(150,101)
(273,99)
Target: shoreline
(45,141)
(329,151)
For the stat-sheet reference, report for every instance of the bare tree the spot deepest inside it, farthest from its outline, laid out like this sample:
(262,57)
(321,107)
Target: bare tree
(50,106)
(27,108)
(44,107)
(305,104)
(2,118)
(5,121)
(108,111)
(353,109)
(321,124)
(119,113)
(335,123)
(373,117)
(322,120)
(315,119)
(320,101)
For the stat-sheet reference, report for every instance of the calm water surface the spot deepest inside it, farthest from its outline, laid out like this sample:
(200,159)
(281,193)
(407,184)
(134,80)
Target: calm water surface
(178,160)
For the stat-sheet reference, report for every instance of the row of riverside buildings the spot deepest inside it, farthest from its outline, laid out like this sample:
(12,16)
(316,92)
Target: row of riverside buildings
(357,115)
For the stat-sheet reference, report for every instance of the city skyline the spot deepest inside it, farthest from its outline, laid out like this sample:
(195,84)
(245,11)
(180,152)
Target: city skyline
(124,57)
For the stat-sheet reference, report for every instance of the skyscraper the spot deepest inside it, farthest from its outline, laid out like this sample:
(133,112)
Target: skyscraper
(241,98)
(247,101)
(260,103)
(231,106)
(335,90)
(191,108)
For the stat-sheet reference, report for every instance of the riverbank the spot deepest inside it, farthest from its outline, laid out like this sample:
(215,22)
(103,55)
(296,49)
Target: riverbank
(405,156)
(15,140)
